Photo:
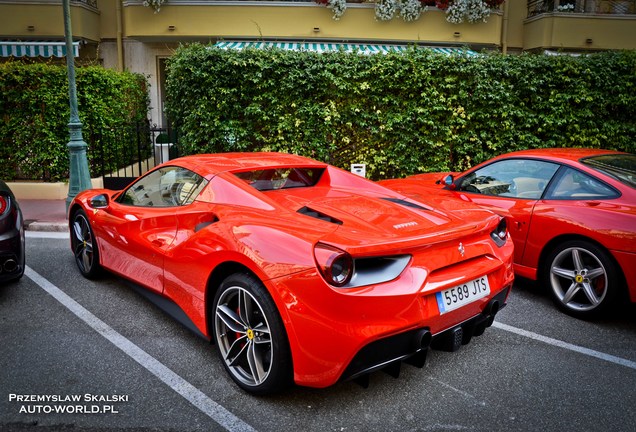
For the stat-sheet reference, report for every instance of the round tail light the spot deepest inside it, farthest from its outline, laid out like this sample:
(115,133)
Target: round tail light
(335,265)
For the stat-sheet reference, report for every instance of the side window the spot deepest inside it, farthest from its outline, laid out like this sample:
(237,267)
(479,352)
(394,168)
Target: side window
(165,187)
(573,184)
(516,178)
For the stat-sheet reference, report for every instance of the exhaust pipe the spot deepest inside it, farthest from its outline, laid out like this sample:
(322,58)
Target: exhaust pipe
(423,339)
(10,265)
(490,311)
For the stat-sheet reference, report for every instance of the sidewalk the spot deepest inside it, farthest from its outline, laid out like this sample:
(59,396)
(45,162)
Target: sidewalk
(44,215)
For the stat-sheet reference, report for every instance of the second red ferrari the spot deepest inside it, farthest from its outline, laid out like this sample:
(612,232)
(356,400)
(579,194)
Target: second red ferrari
(572,218)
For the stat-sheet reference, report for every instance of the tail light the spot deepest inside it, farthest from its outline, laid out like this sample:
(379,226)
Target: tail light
(335,265)
(500,234)
(4,204)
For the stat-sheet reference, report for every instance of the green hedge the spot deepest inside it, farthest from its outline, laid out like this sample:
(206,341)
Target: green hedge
(34,116)
(399,113)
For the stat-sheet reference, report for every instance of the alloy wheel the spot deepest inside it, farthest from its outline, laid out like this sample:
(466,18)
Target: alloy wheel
(83,244)
(244,336)
(578,279)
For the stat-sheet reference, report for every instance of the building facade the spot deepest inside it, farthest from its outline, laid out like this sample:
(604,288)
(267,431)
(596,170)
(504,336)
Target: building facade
(139,35)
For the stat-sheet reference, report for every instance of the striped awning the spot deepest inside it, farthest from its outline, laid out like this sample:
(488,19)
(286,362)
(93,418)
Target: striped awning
(36,49)
(329,47)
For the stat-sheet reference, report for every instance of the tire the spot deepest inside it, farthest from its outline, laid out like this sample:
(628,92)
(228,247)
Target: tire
(583,279)
(250,336)
(84,246)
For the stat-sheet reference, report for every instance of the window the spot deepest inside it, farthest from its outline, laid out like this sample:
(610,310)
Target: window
(622,167)
(516,178)
(281,178)
(165,187)
(573,184)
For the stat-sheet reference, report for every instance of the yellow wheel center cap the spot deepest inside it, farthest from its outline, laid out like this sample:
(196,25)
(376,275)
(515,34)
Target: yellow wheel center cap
(250,334)
(578,279)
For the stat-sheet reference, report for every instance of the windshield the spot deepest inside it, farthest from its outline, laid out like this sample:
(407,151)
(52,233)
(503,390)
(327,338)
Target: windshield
(622,167)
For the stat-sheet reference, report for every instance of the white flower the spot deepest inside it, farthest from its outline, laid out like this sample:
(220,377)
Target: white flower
(338,7)
(410,10)
(467,10)
(155,4)
(566,7)
(385,9)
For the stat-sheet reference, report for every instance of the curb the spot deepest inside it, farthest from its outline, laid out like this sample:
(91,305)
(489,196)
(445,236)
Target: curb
(47,226)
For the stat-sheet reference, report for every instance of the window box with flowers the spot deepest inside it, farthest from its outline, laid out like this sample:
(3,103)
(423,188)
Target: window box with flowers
(457,11)
(155,4)
(408,10)
(338,7)
(472,11)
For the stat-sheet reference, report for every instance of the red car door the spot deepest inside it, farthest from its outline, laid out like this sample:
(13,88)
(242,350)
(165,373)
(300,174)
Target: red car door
(518,214)
(136,240)
(140,225)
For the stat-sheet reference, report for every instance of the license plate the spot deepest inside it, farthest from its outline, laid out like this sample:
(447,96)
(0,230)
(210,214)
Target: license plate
(463,294)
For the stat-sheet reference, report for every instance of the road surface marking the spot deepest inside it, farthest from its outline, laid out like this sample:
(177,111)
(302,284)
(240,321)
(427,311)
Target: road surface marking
(192,394)
(558,343)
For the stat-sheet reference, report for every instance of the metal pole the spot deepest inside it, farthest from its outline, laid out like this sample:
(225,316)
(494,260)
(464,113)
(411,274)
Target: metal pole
(79,175)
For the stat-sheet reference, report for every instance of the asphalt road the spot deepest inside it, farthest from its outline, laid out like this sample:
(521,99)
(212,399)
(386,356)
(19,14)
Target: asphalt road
(131,367)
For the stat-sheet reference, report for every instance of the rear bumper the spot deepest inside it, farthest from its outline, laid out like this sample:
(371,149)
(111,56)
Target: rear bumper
(411,346)
(340,333)
(12,254)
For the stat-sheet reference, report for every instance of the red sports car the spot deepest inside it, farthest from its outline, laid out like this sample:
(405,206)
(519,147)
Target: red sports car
(571,213)
(297,270)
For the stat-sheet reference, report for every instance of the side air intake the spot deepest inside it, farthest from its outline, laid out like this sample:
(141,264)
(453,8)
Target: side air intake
(318,215)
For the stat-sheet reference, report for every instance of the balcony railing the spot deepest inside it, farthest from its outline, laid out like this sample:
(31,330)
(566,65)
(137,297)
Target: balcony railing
(613,7)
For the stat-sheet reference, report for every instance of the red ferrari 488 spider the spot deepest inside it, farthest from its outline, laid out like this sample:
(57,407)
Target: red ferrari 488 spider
(299,271)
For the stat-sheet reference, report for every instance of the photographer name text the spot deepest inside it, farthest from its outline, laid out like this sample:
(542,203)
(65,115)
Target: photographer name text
(87,403)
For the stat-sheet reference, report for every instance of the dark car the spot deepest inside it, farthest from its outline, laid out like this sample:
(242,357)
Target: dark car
(11,236)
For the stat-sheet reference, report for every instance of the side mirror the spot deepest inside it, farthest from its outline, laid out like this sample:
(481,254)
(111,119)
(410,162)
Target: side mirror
(448,182)
(99,202)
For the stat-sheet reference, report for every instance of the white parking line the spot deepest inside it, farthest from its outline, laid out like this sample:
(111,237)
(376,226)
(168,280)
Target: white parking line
(558,343)
(193,395)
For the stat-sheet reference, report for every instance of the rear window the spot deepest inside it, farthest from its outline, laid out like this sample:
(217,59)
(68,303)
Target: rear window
(281,178)
(622,167)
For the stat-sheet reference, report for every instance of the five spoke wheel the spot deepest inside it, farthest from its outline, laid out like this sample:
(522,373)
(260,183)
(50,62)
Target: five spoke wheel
(582,278)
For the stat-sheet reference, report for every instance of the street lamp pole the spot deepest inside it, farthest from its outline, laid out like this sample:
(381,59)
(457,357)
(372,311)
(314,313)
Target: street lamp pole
(79,176)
